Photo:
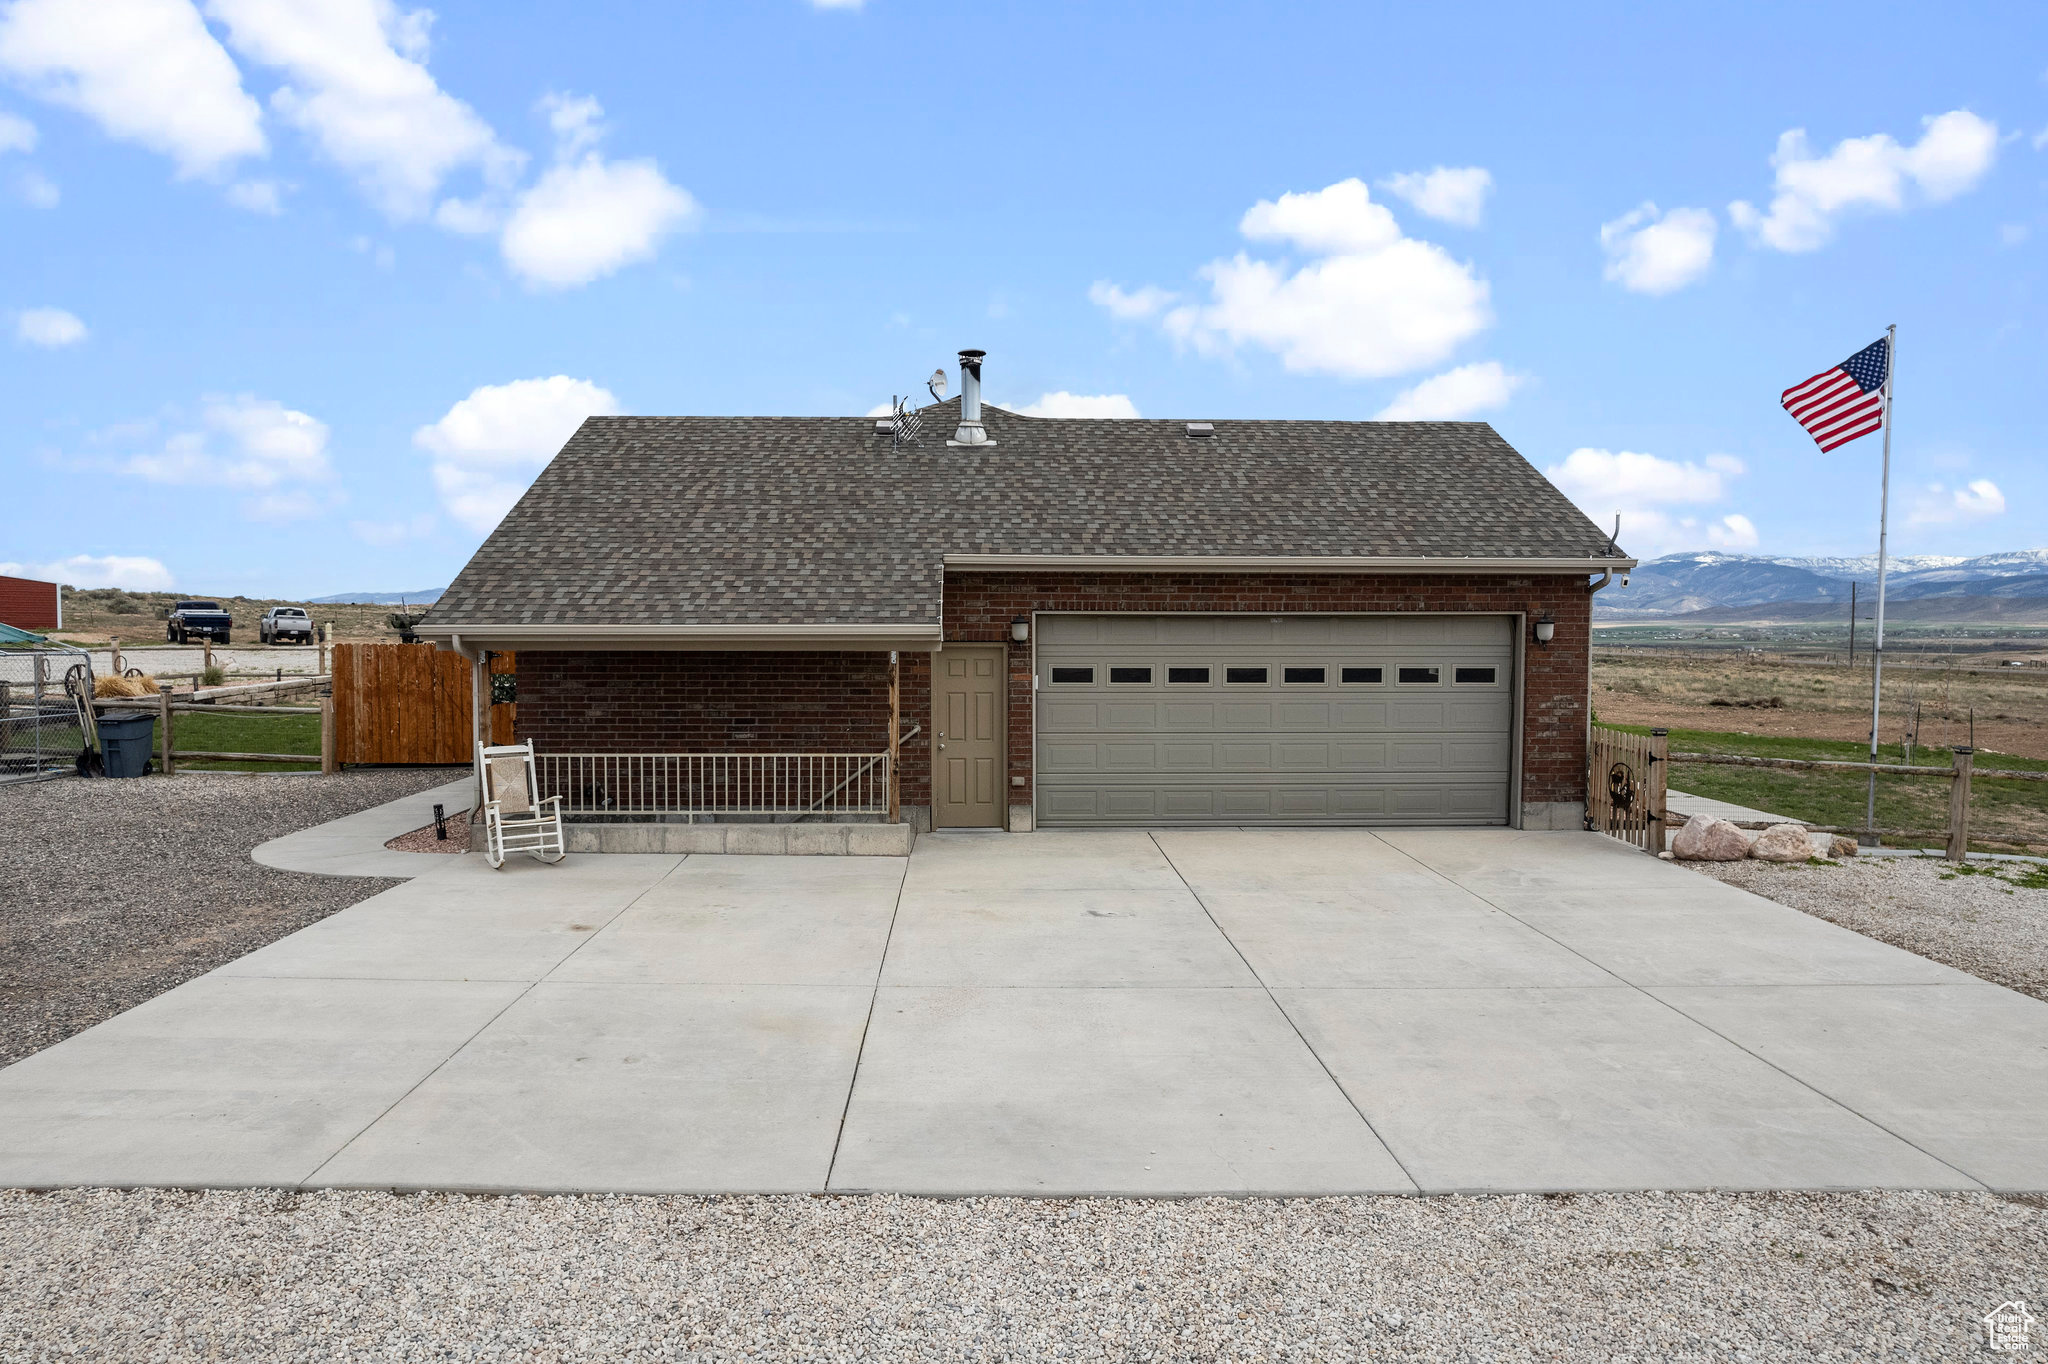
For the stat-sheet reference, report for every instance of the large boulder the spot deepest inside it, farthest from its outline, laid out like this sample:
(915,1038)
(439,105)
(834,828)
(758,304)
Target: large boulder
(1706,839)
(1782,843)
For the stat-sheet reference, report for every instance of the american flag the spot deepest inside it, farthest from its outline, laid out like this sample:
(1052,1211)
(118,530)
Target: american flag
(1845,402)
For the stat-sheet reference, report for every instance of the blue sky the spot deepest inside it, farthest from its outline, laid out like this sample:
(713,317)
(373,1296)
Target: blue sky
(297,296)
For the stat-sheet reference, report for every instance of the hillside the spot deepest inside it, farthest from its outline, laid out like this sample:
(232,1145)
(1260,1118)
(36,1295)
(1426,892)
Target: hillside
(97,614)
(1703,586)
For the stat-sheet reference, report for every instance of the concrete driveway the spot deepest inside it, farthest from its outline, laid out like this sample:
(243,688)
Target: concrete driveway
(1220,1011)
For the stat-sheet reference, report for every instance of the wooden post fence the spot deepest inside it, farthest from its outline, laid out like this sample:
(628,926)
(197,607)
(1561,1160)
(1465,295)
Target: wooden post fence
(163,721)
(895,738)
(328,766)
(1654,784)
(1959,807)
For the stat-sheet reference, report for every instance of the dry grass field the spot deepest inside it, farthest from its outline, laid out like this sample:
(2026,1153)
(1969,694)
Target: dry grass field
(1776,696)
(100,614)
(1767,705)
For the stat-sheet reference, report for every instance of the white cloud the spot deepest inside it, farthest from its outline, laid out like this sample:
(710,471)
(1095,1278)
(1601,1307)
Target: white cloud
(17,134)
(258,196)
(577,122)
(1936,505)
(48,327)
(882,410)
(289,504)
(244,442)
(1642,488)
(1065,404)
(1453,195)
(1595,477)
(588,217)
(1872,173)
(359,89)
(147,71)
(1652,253)
(384,534)
(1339,220)
(39,190)
(1374,303)
(490,445)
(1734,531)
(1454,394)
(132,571)
(1132,306)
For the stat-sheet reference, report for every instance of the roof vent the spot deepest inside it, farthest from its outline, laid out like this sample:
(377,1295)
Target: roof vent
(1201,430)
(971,431)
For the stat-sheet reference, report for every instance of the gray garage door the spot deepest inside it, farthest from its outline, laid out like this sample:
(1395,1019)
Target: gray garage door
(1240,719)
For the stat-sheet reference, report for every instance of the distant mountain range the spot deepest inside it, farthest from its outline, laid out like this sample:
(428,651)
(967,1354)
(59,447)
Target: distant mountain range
(424,597)
(1719,588)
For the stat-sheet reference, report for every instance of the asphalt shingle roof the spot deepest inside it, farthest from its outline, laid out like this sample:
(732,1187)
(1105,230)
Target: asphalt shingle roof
(816,520)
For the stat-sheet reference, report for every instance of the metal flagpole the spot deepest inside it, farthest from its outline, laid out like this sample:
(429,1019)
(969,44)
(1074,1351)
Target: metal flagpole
(1891,354)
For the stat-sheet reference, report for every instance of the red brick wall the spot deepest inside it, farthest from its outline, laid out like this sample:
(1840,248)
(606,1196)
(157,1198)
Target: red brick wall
(686,702)
(979,606)
(651,702)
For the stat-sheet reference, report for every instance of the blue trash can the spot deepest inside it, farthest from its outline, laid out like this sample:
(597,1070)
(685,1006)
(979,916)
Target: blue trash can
(126,738)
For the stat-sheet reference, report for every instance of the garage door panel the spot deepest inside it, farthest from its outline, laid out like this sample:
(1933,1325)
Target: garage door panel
(1244,757)
(1054,759)
(1207,751)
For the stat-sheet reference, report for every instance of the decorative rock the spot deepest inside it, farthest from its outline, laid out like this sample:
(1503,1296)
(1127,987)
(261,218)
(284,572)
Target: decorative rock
(1782,843)
(1839,846)
(1706,839)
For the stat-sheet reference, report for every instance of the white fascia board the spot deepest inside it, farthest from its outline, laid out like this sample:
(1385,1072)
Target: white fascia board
(1281,563)
(838,638)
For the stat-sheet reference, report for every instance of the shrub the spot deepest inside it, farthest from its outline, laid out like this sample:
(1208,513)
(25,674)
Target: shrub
(216,676)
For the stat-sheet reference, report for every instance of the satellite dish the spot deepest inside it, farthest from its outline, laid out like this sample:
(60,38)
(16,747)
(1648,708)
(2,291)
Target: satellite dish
(937,384)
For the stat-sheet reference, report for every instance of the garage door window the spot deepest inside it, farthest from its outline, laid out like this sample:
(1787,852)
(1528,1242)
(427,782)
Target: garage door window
(1130,676)
(1305,676)
(1256,676)
(1080,677)
(1419,677)
(1197,676)
(1481,676)
(1364,677)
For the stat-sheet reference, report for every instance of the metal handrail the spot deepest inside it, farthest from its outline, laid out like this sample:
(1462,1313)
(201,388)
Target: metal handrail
(700,784)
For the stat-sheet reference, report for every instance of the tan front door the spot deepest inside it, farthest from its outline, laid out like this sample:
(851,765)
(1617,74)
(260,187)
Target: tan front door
(967,737)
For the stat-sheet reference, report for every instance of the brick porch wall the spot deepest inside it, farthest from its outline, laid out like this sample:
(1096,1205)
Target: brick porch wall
(621,701)
(979,607)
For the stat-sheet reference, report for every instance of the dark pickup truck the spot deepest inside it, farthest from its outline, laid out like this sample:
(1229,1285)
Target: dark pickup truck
(198,620)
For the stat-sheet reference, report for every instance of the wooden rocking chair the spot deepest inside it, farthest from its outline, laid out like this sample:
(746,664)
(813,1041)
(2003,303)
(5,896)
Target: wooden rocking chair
(514,820)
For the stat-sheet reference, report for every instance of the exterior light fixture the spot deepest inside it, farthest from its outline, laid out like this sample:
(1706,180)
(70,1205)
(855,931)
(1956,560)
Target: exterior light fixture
(1020,628)
(1546,628)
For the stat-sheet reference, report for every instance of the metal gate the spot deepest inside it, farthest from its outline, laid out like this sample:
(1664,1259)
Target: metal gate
(1625,786)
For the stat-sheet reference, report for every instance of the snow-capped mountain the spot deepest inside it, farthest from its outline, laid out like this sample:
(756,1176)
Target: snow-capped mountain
(1706,580)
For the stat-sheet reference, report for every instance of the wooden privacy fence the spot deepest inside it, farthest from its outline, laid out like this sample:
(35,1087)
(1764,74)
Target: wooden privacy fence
(409,703)
(1625,788)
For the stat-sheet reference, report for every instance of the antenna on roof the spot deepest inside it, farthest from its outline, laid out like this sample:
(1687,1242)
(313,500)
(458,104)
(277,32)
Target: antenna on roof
(1609,551)
(937,385)
(906,424)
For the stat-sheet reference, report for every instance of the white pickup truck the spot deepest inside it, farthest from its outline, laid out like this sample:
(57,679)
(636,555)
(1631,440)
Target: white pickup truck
(282,624)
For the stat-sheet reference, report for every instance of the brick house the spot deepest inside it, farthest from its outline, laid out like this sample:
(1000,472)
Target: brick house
(1090,622)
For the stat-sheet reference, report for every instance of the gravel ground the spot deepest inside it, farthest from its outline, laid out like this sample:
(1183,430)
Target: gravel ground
(112,892)
(161,1275)
(1978,921)
(422,840)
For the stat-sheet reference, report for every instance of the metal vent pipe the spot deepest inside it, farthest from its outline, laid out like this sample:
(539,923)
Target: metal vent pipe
(971,431)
